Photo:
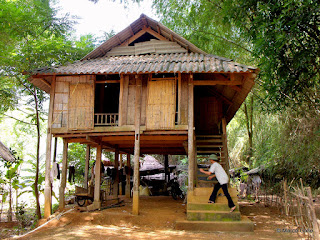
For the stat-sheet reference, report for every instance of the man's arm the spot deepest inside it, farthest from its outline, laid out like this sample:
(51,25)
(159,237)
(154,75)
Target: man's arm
(205,172)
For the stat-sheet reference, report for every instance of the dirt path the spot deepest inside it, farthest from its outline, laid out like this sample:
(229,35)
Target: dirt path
(156,221)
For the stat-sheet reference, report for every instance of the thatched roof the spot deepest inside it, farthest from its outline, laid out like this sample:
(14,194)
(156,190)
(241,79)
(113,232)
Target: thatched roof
(5,153)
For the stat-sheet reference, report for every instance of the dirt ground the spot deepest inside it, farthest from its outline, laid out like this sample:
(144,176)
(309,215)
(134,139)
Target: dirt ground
(156,221)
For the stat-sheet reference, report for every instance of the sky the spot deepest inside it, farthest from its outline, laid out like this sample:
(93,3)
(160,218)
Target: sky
(104,16)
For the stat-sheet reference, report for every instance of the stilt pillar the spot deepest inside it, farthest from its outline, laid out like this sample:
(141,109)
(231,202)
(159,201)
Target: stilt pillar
(96,198)
(166,168)
(86,168)
(47,188)
(136,176)
(128,182)
(116,167)
(63,182)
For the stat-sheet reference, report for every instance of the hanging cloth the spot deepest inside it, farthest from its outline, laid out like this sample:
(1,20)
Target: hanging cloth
(71,174)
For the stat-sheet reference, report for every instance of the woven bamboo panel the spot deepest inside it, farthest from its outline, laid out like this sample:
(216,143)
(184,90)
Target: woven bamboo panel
(60,106)
(161,104)
(81,106)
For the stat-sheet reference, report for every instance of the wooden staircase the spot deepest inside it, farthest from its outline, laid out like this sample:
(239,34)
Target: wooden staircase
(204,216)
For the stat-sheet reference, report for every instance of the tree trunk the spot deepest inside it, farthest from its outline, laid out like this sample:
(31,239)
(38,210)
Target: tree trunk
(249,125)
(36,191)
(10,203)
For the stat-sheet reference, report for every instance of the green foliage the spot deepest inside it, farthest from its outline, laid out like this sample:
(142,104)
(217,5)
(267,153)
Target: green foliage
(201,23)
(77,158)
(285,38)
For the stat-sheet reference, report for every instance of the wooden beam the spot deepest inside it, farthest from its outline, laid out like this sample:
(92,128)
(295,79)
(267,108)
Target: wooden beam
(63,175)
(108,81)
(131,31)
(219,95)
(236,88)
(216,82)
(134,37)
(158,29)
(155,34)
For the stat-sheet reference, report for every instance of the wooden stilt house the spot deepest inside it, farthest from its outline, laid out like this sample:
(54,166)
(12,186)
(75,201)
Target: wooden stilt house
(145,90)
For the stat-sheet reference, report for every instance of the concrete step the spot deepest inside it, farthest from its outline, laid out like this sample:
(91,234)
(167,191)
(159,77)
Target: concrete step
(210,207)
(208,190)
(245,225)
(206,215)
(204,199)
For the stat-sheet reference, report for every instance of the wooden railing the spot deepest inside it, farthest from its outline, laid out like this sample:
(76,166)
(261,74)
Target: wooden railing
(106,119)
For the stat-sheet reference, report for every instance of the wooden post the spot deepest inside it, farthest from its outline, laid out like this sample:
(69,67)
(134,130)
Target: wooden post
(86,168)
(179,98)
(121,171)
(285,197)
(166,168)
(116,167)
(136,176)
(225,145)
(97,180)
(47,188)
(128,183)
(54,161)
(191,147)
(63,182)
(313,215)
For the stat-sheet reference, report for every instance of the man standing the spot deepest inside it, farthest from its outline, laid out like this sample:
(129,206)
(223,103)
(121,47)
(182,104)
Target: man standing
(217,170)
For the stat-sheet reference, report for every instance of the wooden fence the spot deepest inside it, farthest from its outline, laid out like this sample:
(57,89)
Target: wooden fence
(106,119)
(294,201)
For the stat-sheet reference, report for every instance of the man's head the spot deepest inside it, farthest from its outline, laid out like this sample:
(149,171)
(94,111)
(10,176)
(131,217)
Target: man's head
(213,158)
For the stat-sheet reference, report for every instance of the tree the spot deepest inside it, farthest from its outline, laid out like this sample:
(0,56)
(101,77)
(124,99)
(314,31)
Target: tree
(34,38)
